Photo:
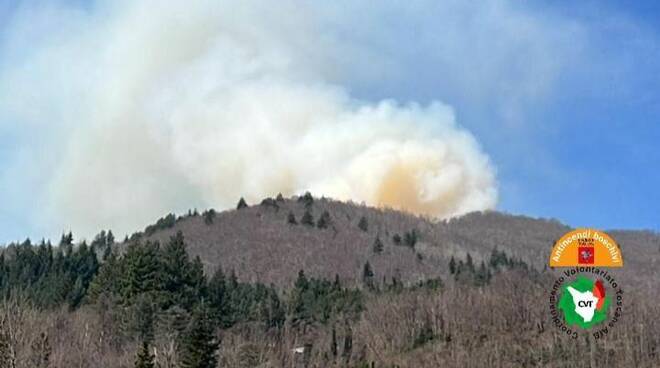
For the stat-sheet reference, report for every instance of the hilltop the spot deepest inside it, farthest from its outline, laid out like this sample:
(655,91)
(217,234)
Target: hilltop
(260,243)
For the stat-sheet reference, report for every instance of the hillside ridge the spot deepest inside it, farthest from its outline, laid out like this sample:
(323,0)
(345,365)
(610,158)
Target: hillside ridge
(260,243)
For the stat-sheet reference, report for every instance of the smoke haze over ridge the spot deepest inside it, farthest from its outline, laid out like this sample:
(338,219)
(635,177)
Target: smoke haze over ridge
(162,107)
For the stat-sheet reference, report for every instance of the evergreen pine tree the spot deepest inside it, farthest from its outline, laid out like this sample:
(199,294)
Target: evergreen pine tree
(307,199)
(509,261)
(301,282)
(298,304)
(219,299)
(498,259)
(199,344)
(77,293)
(469,263)
(368,276)
(460,269)
(196,276)
(99,240)
(142,271)
(363,224)
(140,318)
(410,238)
(307,219)
(67,239)
(107,251)
(241,204)
(273,313)
(110,238)
(291,219)
(333,343)
(232,283)
(481,277)
(336,285)
(106,280)
(324,220)
(179,276)
(209,216)
(378,246)
(66,244)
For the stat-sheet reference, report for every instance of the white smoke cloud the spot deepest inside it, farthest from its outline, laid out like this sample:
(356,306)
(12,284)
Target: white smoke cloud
(158,107)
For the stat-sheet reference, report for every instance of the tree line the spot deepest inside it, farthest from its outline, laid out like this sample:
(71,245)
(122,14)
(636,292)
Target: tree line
(151,288)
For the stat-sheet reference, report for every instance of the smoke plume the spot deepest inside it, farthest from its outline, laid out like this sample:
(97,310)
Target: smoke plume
(161,107)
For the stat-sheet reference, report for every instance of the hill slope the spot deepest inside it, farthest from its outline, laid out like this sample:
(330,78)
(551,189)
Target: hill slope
(260,244)
(95,315)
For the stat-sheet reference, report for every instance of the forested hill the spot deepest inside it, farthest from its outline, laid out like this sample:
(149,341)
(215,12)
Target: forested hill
(272,240)
(311,282)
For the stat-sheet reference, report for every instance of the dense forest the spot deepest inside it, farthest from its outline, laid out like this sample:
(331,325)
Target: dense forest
(146,302)
(151,291)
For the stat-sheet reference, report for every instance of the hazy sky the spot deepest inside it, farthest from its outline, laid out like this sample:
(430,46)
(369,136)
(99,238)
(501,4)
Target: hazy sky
(554,107)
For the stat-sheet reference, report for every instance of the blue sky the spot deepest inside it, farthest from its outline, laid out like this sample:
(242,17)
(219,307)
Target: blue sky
(564,99)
